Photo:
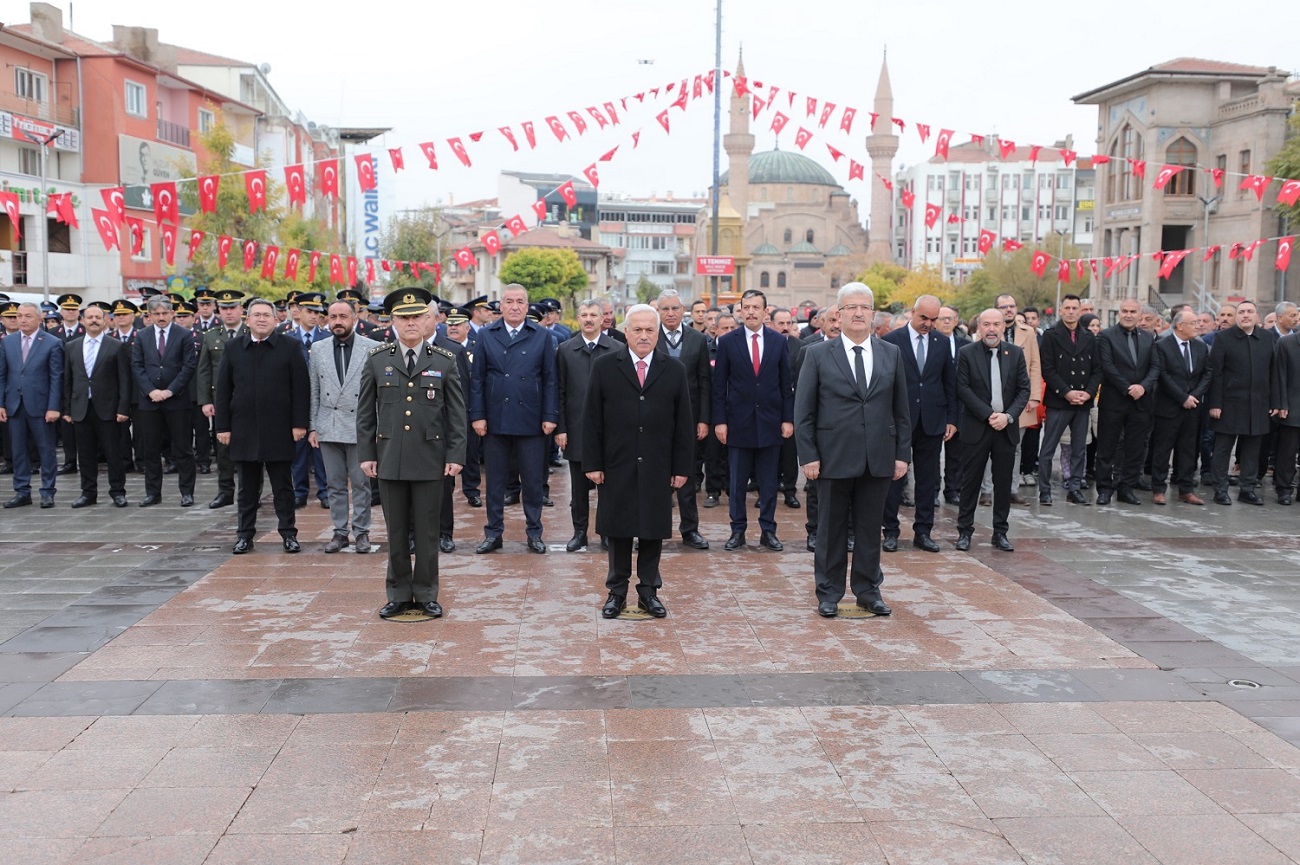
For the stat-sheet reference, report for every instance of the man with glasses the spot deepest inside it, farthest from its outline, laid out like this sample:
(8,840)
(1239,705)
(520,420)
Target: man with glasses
(1026,338)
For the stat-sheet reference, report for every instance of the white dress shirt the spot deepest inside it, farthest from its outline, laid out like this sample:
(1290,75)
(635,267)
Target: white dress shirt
(850,354)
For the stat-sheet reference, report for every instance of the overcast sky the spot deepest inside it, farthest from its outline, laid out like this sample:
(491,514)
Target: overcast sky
(440,69)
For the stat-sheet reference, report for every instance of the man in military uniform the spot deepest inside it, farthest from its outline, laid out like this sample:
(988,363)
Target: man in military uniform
(8,325)
(407,440)
(230,315)
(68,329)
(459,332)
(205,302)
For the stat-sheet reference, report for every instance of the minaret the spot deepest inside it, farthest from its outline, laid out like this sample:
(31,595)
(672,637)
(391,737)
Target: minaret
(882,145)
(739,144)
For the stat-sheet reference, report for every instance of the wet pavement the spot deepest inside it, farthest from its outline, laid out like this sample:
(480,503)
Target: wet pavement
(1125,687)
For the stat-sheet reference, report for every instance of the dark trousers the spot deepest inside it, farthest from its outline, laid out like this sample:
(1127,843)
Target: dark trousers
(1074,418)
(762,464)
(952,465)
(647,566)
(93,435)
(1028,450)
(925,465)
(530,451)
(1247,456)
(1284,465)
(471,474)
(580,488)
(855,504)
(126,432)
(28,430)
(250,494)
(789,467)
(688,506)
(1177,437)
(716,462)
(974,456)
(225,470)
(151,428)
(307,458)
(68,438)
(202,437)
(447,514)
(403,500)
(1119,466)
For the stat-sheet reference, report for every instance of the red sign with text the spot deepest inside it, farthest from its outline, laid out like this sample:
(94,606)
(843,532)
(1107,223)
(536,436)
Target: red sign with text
(715,265)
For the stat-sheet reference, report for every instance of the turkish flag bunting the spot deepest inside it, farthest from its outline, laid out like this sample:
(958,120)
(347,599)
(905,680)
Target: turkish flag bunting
(1011,245)
(1080,269)
(923,129)
(1034,150)
(352,270)
(790,94)
(598,117)
(164,203)
(885,181)
(941,143)
(1171,260)
(327,173)
(196,237)
(846,119)
(1166,174)
(1283,260)
(578,123)
(223,249)
(250,254)
(63,210)
(662,117)
(802,137)
(611,113)
(465,258)
(855,170)
(269,258)
(491,242)
(557,128)
(828,108)
(932,212)
(757,106)
(1256,183)
(986,241)
(908,197)
(1126,260)
(291,264)
(835,154)
(771,95)
(977,139)
(370,270)
(568,194)
(1217,175)
(529,135)
(1211,251)
(294,181)
(591,174)
(365,172)
(636,139)
(312,263)
(336,269)
(609,154)
(255,186)
(708,79)
(387,265)
(430,153)
(1068,156)
(953,219)
(900,123)
(682,96)
(1110,265)
(458,148)
(1248,250)
(476,137)
(395,154)
(114,203)
(168,235)
(811,103)
(1289,193)
(1139,167)
(136,226)
(208,187)
(741,83)
(1063,270)
(1234,250)
(539,208)
(103,222)
(510,136)
(516,225)
(1006,148)
(1039,263)
(1100,159)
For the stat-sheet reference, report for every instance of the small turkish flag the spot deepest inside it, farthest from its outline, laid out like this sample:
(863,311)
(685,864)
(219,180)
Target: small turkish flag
(250,254)
(510,136)
(63,210)
(1211,251)
(336,268)
(312,263)
(103,222)
(1080,269)
(953,219)
(977,139)
(328,174)
(1139,167)
(114,203)
(294,181)
(597,116)
(1217,175)
(1039,263)
(846,119)
(986,241)
(395,154)
(539,208)
(465,258)
(855,170)
(568,194)
(164,203)
(516,225)
(370,270)
(837,155)
(811,102)
(757,105)
(885,181)
(1166,174)
(291,264)
(1171,260)
(1063,270)
(223,249)
(697,87)
(1283,260)
(491,242)
(941,143)
(168,235)
(1289,193)
(900,123)
(1068,156)
(662,117)
(365,171)
(636,139)
(476,137)
(196,237)
(136,227)
(578,123)
(611,113)
(741,84)
(387,265)
(1248,251)
(430,153)
(269,258)
(1006,148)
(828,108)
(932,212)
(1100,159)
(1011,245)
(529,134)
(1034,150)
(208,188)
(593,176)
(609,154)
(923,129)
(255,186)
(1256,183)
(1110,264)
(908,197)
(351,270)
(557,128)
(802,137)
(458,148)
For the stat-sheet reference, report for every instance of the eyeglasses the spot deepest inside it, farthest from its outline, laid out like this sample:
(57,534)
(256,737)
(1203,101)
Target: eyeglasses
(1006,306)
(857,307)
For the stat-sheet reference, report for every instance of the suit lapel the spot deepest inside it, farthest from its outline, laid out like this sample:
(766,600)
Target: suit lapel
(625,366)
(842,364)
(652,374)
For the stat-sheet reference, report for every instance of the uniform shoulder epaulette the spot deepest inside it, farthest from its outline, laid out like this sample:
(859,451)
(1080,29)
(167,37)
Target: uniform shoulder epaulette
(440,350)
(377,349)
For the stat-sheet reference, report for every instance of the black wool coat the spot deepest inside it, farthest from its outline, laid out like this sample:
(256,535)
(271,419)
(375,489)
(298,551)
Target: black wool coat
(262,394)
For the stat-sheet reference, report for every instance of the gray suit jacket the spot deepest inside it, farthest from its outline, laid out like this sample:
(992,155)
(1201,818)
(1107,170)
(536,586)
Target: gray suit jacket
(334,404)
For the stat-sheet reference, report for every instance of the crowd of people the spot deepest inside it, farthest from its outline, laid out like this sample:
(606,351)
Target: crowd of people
(388,404)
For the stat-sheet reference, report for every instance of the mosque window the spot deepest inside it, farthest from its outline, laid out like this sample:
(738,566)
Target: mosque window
(764,280)
(780,279)
(808,236)
(789,236)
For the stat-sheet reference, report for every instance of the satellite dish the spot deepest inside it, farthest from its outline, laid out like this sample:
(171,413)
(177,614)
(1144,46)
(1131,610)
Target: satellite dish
(265,69)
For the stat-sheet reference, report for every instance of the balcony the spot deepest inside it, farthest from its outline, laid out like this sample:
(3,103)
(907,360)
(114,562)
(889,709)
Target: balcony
(60,111)
(174,133)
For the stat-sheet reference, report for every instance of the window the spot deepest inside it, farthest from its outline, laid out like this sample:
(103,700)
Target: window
(808,235)
(764,280)
(1044,181)
(789,236)
(835,281)
(1062,181)
(971,211)
(933,245)
(972,182)
(1062,212)
(1026,213)
(993,213)
(1182,152)
(1045,211)
(1215,269)
(952,246)
(1010,181)
(1243,166)
(60,235)
(206,120)
(780,279)
(1087,225)
(145,253)
(136,103)
(789,193)
(29,161)
(29,85)
(1239,273)
(1008,212)
(1121,183)
(661,267)
(934,183)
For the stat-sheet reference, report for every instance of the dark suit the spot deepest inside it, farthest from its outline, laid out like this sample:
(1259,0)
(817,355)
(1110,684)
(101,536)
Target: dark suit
(573,373)
(1069,360)
(94,402)
(1241,380)
(857,437)
(1126,359)
(172,372)
(932,396)
(952,447)
(753,407)
(210,353)
(980,442)
(1176,427)
(693,352)
(447,517)
(471,475)
(789,479)
(29,390)
(308,460)
(1286,397)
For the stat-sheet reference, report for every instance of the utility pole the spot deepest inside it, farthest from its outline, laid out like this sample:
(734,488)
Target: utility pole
(42,206)
(717,134)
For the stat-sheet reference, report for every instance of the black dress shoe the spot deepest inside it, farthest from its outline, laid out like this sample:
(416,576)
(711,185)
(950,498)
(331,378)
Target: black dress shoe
(1103,497)
(150,501)
(952,498)
(791,500)
(6,468)
(1076,497)
(489,545)
(391,609)
(535,545)
(735,542)
(474,501)
(876,607)
(963,542)
(556,464)
(47,502)
(1284,498)
(923,542)
(1045,500)
(547,503)
(324,504)
(446,544)
(577,542)
(203,468)
(614,605)
(83,501)
(694,540)
(187,500)
(1143,485)
(299,502)
(812,544)
(1018,499)
(1222,499)
(432,609)
(827,610)
(889,543)
(1127,497)
(243,545)
(710,501)
(510,500)
(769,540)
(169,468)
(119,501)
(653,606)
(1249,497)
(1000,542)
(221,501)
(291,545)
(68,469)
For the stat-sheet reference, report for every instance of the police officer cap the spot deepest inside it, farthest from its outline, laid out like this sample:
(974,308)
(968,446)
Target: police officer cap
(408,301)
(458,315)
(124,307)
(311,300)
(481,300)
(4,298)
(69,301)
(52,316)
(549,304)
(535,311)
(49,306)
(229,297)
(376,306)
(494,306)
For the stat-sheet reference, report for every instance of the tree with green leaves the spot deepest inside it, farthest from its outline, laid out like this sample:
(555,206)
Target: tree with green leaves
(547,273)
(1286,164)
(884,279)
(413,236)
(1011,273)
(646,290)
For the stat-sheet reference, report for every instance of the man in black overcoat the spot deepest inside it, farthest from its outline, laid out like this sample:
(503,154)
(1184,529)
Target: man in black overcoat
(1241,374)
(1183,376)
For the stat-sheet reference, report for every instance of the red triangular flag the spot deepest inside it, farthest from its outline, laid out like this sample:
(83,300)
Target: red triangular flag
(510,136)
(168,235)
(855,170)
(802,137)
(255,186)
(941,143)
(164,203)
(1256,183)
(208,188)
(1039,263)
(885,181)
(1006,148)
(609,154)
(568,194)
(294,181)
(900,123)
(395,154)
(1283,260)
(846,119)
(474,137)
(529,135)
(1210,252)
(597,116)
(1068,156)
(611,113)
(835,154)
(1034,150)
(828,108)
(114,204)
(430,153)
(757,106)
(365,171)
(103,221)
(923,129)
(811,103)
(662,117)
(636,139)
(1216,174)
(458,148)
(268,262)
(291,264)
(741,83)
(591,174)
(557,128)
(196,237)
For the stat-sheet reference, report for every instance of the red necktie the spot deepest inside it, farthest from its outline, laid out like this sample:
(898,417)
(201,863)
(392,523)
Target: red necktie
(1074,337)
(754,346)
(640,372)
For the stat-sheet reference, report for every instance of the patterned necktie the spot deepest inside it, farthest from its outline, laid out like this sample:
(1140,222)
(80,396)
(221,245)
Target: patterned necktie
(1187,356)
(640,372)
(91,352)
(920,351)
(674,338)
(162,342)
(859,370)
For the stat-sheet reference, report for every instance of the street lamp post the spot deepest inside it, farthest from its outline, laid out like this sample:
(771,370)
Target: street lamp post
(717,132)
(42,215)
(1208,204)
